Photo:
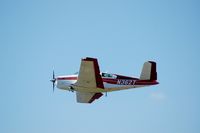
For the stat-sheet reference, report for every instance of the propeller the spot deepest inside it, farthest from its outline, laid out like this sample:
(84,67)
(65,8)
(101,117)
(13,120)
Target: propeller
(53,80)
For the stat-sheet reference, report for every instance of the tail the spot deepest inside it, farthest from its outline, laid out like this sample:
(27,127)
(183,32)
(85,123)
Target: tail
(149,71)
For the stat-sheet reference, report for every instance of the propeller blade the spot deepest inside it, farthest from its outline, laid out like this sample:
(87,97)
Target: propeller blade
(53,86)
(53,75)
(53,80)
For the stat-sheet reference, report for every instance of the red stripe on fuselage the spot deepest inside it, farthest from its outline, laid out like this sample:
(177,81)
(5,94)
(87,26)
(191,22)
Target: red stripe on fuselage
(110,81)
(145,82)
(67,78)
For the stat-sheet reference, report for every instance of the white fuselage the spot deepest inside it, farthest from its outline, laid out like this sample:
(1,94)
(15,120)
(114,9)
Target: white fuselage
(68,83)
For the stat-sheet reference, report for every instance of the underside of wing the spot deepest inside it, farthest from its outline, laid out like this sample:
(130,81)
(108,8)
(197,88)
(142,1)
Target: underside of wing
(89,74)
(87,97)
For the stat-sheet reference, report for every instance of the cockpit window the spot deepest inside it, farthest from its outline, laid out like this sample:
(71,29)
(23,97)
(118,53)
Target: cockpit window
(108,75)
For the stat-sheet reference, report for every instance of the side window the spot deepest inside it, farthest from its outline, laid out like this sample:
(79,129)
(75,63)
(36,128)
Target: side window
(105,75)
(114,76)
(109,75)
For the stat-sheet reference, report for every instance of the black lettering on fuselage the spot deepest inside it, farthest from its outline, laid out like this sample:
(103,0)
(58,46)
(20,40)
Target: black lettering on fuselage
(125,82)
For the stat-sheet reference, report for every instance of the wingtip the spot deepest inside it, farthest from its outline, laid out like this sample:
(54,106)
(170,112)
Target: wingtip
(89,59)
(152,62)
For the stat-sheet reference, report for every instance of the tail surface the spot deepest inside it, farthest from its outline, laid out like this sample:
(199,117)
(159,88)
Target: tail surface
(149,71)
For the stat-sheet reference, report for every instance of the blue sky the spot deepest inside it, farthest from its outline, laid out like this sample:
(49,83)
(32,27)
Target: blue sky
(39,36)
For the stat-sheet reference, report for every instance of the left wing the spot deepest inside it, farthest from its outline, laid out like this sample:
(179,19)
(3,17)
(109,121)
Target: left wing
(89,78)
(89,74)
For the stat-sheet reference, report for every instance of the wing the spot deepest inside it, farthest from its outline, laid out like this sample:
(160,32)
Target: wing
(89,77)
(89,74)
(87,97)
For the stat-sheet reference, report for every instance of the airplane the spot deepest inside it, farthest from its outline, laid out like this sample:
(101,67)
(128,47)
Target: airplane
(90,84)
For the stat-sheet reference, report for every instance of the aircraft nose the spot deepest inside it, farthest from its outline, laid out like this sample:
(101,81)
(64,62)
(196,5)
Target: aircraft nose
(53,80)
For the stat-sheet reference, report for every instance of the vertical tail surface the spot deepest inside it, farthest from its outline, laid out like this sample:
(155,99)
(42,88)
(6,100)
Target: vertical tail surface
(149,71)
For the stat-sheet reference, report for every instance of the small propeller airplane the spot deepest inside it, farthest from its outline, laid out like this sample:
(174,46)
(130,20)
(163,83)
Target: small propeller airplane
(89,83)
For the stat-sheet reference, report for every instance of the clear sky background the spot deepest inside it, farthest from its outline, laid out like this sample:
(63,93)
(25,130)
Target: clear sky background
(41,35)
